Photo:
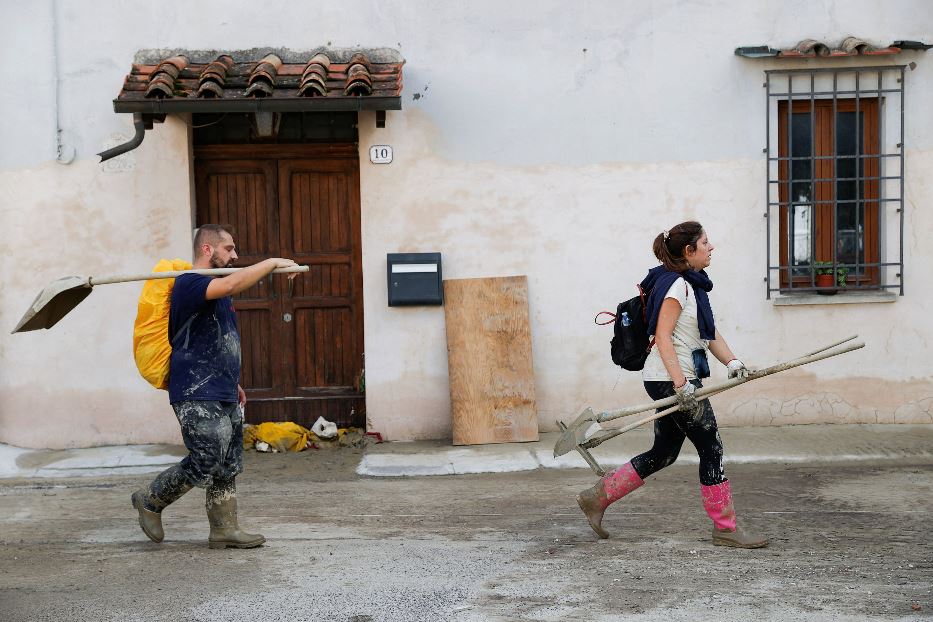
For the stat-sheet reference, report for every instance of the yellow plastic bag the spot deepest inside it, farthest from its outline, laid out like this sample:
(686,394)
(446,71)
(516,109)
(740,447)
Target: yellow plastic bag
(280,436)
(151,346)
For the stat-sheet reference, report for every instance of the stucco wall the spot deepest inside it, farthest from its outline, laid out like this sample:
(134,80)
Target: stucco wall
(582,234)
(77,384)
(544,139)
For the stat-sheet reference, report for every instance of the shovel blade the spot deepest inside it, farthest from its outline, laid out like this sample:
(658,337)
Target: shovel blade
(53,303)
(575,433)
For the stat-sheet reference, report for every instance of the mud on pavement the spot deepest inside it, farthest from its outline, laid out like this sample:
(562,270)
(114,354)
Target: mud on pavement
(848,542)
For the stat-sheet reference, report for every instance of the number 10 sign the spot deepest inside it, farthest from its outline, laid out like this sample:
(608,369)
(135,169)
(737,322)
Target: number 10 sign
(380,154)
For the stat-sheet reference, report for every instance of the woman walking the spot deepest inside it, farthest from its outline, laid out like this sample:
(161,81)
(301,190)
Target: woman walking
(680,321)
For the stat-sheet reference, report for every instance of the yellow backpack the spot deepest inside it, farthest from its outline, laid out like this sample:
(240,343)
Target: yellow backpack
(151,346)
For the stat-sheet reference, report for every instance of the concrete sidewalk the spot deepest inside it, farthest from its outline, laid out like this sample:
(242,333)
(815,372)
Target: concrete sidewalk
(760,445)
(16,462)
(790,444)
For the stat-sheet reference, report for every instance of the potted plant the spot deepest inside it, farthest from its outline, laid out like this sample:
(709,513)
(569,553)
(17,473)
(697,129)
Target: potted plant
(828,279)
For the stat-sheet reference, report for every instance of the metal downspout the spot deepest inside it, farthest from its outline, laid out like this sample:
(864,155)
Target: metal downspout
(131,144)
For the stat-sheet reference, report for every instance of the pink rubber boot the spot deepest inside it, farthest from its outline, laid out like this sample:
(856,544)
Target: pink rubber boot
(717,500)
(612,487)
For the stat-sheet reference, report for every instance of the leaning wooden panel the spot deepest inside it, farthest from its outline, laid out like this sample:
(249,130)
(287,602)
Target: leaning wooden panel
(492,382)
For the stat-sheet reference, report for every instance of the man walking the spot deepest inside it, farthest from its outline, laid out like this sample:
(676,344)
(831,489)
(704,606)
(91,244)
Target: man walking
(204,390)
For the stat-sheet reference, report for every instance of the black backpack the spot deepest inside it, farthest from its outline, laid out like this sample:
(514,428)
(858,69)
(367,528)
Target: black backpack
(630,344)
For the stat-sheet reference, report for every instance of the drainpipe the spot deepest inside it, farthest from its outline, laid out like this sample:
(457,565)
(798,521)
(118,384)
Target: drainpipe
(140,124)
(64,154)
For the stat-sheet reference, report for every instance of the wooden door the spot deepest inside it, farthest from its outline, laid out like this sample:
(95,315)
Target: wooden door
(302,341)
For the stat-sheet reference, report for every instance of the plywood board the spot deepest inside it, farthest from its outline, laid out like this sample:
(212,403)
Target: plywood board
(492,382)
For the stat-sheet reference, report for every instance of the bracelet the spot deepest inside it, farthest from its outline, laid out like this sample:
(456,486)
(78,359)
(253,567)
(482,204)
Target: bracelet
(730,360)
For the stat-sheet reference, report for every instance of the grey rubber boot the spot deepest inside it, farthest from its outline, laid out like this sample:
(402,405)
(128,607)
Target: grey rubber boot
(717,501)
(593,503)
(612,487)
(738,539)
(166,488)
(222,514)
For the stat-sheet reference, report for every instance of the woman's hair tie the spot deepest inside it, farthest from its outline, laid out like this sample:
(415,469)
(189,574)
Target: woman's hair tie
(666,234)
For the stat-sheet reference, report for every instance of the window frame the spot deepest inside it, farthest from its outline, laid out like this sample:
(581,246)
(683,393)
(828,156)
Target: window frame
(824,163)
(886,84)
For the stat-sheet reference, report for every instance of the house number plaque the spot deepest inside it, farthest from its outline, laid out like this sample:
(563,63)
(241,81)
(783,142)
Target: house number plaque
(380,154)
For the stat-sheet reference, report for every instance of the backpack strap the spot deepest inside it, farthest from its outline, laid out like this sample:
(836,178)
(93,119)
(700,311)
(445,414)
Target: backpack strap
(644,311)
(644,302)
(609,313)
(185,328)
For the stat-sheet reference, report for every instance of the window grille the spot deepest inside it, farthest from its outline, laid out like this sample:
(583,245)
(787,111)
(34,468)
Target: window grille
(835,187)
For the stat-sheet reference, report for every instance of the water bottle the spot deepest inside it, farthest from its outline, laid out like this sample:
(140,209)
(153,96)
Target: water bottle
(626,320)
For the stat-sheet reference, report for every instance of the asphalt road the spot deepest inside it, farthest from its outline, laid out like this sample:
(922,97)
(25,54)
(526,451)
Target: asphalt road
(848,542)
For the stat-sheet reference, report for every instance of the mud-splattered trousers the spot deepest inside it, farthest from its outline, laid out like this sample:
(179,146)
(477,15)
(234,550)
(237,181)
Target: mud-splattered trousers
(213,435)
(669,434)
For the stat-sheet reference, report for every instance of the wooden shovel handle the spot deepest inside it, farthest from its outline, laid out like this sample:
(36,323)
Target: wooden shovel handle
(818,355)
(105,280)
(706,392)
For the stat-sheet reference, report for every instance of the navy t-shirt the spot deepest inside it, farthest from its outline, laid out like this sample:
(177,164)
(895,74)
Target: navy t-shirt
(205,363)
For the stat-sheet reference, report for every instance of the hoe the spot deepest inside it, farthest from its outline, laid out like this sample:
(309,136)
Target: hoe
(585,432)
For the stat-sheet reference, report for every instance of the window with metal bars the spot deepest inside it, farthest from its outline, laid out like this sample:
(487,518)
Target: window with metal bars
(835,189)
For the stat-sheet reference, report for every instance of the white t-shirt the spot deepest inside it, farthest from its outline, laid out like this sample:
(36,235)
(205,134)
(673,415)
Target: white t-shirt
(686,336)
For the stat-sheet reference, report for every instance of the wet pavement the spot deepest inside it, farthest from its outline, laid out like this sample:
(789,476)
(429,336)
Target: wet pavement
(849,541)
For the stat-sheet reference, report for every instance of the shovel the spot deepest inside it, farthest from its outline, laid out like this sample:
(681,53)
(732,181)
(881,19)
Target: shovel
(577,436)
(61,296)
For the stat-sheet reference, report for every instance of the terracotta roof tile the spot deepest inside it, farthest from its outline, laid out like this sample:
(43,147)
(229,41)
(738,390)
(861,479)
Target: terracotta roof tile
(359,81)
(328,77)
(211,82)
(162,80)
(811,48)
(314,77)
(262,77)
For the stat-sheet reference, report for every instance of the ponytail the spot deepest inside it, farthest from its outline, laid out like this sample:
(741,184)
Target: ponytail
(670,246)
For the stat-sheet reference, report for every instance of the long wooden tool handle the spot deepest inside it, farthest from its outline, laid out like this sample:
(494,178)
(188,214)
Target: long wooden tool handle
(640,408)
(707,392)
(598,440)
(105,280)
(595,442)
(829,347)
(716,388)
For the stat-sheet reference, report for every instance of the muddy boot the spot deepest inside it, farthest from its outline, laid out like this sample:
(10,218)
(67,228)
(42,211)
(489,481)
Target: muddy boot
(166,488)
(222,514)
(612,487)
(717,500)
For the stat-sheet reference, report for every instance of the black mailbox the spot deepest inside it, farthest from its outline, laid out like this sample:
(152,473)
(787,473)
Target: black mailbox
(414,279)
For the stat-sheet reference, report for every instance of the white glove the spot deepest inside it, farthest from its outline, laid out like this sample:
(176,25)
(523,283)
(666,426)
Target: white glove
(737,369)
(686,398)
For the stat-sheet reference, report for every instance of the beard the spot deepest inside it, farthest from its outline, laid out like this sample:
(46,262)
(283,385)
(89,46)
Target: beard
(216,262)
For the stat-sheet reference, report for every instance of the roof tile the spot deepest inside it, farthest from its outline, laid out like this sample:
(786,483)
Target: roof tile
(242,75)
(359,80)
(314,77)
(262,78)
(811,48)
(162,80)
(213,77)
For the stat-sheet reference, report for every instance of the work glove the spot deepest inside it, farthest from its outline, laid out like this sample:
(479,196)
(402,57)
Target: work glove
(737,369)
(686,398)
